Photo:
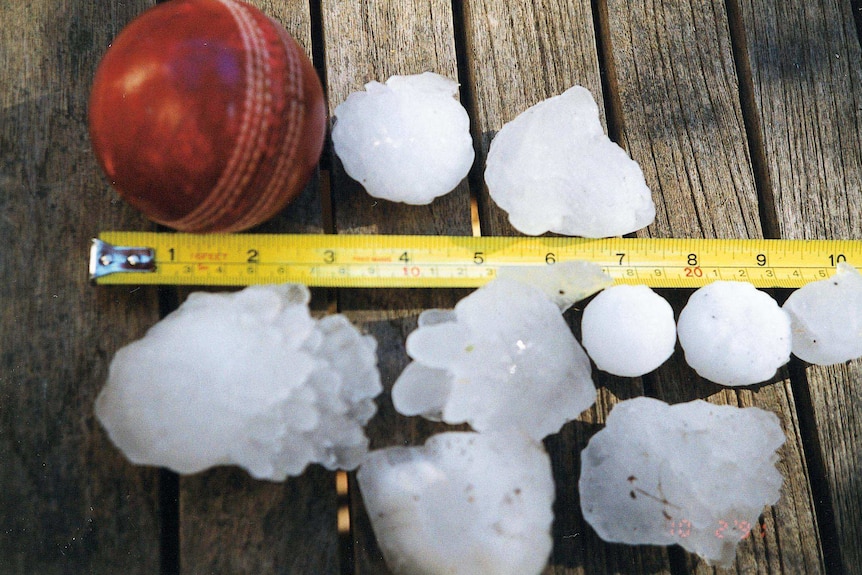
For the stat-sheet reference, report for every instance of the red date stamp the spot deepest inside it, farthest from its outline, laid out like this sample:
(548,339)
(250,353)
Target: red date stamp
(735,529)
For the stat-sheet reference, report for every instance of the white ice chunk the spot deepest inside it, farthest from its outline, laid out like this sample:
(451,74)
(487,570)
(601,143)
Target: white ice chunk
(247,378)
(733,334)
(628,330)
(553,169)
(510,361)
(466,503)
(695,474)
(826,318)
(565,283)
(407,140)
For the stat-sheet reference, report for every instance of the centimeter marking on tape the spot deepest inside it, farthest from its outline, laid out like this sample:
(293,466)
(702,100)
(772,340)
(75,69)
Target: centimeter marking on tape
(451,261)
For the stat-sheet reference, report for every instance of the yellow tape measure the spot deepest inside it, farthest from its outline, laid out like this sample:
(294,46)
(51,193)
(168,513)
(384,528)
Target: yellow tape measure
(451,261)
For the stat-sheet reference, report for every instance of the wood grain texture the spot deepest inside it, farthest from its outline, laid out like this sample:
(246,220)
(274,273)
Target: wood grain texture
(519,53)
(368,41)
(807,83)
(229,522)
(69,501)
(682,121)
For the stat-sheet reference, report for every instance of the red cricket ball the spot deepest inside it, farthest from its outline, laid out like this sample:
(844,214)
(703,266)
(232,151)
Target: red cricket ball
(206,115)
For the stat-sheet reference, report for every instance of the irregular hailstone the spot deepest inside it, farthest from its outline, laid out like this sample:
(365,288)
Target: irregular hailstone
(470,503)
(405,141)
(826,318)
(503,358)
(628,330)
(695,474)
(733,334)
(553,169)
(564,283)
(246,378)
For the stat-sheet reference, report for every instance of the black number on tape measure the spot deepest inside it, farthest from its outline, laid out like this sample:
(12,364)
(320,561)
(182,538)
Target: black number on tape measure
(405,257)
(253,257)
(173,253)
(761,259)
(692,259)
(836,259)
(550,258)
(479,258)
(622,256)
(329,257)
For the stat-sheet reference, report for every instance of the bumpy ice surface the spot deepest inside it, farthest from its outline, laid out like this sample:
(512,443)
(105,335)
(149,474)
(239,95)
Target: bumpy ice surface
(628,330)
(733,334)
(407,140)
(826,318)
(248,378)
(696,474)
(470,503)
(553,169)
(503,358)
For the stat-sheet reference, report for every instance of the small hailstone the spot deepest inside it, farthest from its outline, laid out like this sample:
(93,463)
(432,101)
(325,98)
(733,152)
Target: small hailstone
(628,330)
(565,283)
(695,474)
(553,169)
(407,140)
(246,378)
(733,334)
(504,358)
(826,318)
(464,503)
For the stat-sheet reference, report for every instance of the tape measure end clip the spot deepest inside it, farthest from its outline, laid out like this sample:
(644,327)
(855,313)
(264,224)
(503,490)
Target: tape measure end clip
(106,259)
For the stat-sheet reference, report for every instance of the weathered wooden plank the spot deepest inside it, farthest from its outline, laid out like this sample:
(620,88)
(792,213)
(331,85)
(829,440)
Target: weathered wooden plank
(682,120)
(519,53)
(368,41)
(229,522)
(807,84)
(69,502)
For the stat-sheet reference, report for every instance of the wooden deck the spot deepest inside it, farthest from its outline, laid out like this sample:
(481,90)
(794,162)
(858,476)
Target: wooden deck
(745,115)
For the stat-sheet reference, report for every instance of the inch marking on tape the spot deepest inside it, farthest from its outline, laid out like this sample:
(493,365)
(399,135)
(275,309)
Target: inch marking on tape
(451,261)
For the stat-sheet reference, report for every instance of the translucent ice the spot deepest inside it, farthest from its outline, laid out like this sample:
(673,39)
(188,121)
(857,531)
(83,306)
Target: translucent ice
(628,330)
(504,358)
(695,474)
(407,140)
(826,318)
(565,283)
(733,334)
(247,378)
(466,503)
(553,169)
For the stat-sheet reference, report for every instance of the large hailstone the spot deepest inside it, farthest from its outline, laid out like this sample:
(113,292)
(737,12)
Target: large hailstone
(628,330)
(553,169)
(247,378)
(503,358)
(407,140)
(826,318)
(695,474)
(733,334)
(466,503)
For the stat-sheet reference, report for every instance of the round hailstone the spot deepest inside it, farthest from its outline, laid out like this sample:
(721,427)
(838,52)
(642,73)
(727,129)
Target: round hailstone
(826,318)
(503,359)
(628,330)
(247,378)
(464,503)
(733,334)
(695,474)
(553,169)
(407,140)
